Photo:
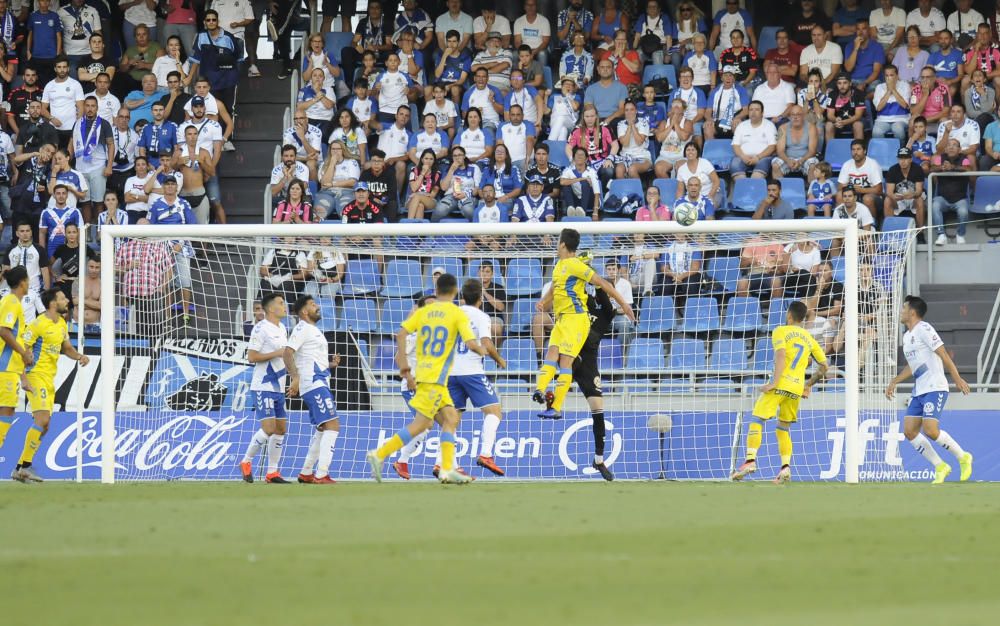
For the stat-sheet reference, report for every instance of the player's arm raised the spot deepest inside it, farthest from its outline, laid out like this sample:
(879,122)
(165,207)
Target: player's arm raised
(401,363)
(949,366)
(71,352)
(599,282)
(890,391)
(288,357)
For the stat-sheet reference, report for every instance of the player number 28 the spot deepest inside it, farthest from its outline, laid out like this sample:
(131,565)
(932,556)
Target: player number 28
(433,340)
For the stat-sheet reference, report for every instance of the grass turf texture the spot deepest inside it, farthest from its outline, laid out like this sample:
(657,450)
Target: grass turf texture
(584,553)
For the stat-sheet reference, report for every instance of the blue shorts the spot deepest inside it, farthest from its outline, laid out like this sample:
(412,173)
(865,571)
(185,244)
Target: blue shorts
(321,406)
(269,405)
(407,396)
(927,406)
(476,387)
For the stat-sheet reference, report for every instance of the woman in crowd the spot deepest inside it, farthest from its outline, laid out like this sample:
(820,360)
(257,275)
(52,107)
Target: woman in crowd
(674,135)
(596,140)
(349,131)
(696,165)
(911,59)
(295,208)
(425,184)
(337,178)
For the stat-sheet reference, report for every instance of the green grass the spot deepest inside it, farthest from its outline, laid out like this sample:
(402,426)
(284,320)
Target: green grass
(591,553)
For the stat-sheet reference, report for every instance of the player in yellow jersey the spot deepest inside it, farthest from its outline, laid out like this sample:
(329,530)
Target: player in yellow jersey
(568,298)
(793,347)
(45,338)
(13,355)
(438,326)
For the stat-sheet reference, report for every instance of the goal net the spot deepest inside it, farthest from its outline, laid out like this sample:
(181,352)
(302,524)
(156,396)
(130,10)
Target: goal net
(678,387)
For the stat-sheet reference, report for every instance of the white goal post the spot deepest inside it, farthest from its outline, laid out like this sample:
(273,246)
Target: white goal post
(254,239)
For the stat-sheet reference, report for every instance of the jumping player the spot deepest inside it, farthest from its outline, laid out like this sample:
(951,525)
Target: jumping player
(402,465)
(926,361)
(13,355)
(308,357)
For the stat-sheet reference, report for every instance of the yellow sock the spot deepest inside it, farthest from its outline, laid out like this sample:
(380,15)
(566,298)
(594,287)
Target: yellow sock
(447,451)
(31,441)
(784,444)
(400,439)
(5,422)
(546,375)
(753,439)
(562,388)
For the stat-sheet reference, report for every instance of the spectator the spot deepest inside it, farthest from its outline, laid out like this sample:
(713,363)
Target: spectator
(362,210)
(695,165)
(504,176)
(394,142)
(340,174)
(411,20)
(477,141)
(947,62)
(485,97)
(785,56)
(62,99)
(79,22)
(991,147)
(518,136)
(815,100)
(93,148)
(773,206)
(8,177)
(411,60)
(864,175)
(31,194)
(107,103)
(959,127)
(181,20)
(526,98)
(157,137)
(863,58)
(777,96)
(295,208)
(24,252)
(453,67)
(577,62)
(887,23)
(533,30)
(430,138)
(353,135)
(653,23)
(702,62)
(754,144)
(728,20)
(850,209)
(285,172)
(643,261)
(368,71)
(52,224)
(373,35)
(136,198)
(487,24)
(621,327)
(534,206)
(911,58)
(45,42)
(210,139)
(983,55)
(64,174)
(20,97)
(689,21)
(571,20)
(66,260)
(91,293)
(174,210)
(581,188)
(726,107)
(825,301)
(494,298)
(550,175)
(741,60)
(952,191)
(609,22)
(892,104)
(652,111)
(195,164)
(797,148)
(607,95)
(695,104)
(138,60)
(673,136)
(531,67)
(846,110)
(680,275)
(364,107)
(563,109)
(845,20)
(382,185)
(328,266)
(308,140)
(979,100)
(964,23)
(929,20)
(214,109)
(822,54)
(904,188)
(596,139)
(920,145)
(801,25)
(285,271)
(316,101)
(234,17)
(95,63)
(633,139)
(458,187)
(799,265)
(626,62)
(443,110)
(457,20)
(167,170)
(319,58)
(760,262)
(425,185)
(488,212)
(112,215)
(137,13)
(693,195)
(146,268)
(140,102)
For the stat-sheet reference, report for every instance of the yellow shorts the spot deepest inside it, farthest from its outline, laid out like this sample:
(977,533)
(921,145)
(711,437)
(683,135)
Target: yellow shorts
(570,333)
(429,398)
(10,386)
(43,397)
(773,403)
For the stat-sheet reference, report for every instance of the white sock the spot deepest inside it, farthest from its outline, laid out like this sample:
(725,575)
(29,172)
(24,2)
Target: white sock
(328,442)
(598,458)
(949,444)
(313,454)
(407,451)
(259,441)
(490,425)
(923,445)
(274,443)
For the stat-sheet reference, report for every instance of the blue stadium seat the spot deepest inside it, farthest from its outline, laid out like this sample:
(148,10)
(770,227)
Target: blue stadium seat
(402,279)
(362,277)
(474,270)
(719,152)
(701,314)
(547,76)
(666,70)
(577,218)
(359,315)
(623,187)
(415,124)
(668,189)
(793,191)
(451,265)
(639,385)
(729,355)
(776,312)
(838,268)
(763,356)
(883,150)
(335,43)
(383,356)
(519,315)
(766,40)
(717,386)
(725,270)
(894,236)
(838,152)
(557,153)
(987,193)
(657,315)
(887,269)
(609,356)
(524,277)
(743,315)
(747,194)
(687,354)
(328,313)
(520,356)
(645,354)
(394,311)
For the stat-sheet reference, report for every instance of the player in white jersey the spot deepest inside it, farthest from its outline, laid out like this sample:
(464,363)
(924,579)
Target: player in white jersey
(926,361)
(308,356)
(266,351)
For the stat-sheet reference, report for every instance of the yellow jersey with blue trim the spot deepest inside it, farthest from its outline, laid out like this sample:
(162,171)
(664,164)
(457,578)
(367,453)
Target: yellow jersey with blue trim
(44,339)
(799,345)
(438,327)
(11,317)
(569,286)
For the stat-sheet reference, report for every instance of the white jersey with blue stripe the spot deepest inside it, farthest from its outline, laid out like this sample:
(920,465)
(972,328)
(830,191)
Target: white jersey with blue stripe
(919,345)
(268,375)
(467,362)
(411,357)
(312,356)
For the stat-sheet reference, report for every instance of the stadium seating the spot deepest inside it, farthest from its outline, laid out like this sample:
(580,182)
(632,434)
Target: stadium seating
(687,354)
(886,270)
(336,42)
(451,265)
(987,195)
(838,268)
(742,315)
(609,356)
(894,236)
(524,277)
(519,315)
(520,356)
(748,193)
(717,385)
(394,311)
(763,356)
(474,270)
(701,314)
(725,270)
(557,153)
(645,354)
(766,40)
(359,315)
(402,279)
(383,356)
(793,191)
(719,152)
(362,277)
(623,187)
(728,355)
(547,77)
(667,71)
(776,312)
(883,150)
(668,189)
(838,152)
(328,314)
(656,316)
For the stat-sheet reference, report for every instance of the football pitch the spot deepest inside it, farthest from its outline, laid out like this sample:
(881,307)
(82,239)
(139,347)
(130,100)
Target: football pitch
(615,554)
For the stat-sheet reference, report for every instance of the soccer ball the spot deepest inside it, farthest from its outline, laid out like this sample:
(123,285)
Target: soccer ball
(686,214)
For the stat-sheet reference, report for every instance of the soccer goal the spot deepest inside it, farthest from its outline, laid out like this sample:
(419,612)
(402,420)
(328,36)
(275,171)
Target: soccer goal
(678,387)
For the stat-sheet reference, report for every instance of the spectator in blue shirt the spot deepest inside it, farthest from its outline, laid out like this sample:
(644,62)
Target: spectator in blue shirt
(157,137)
(453,66)
(504,177)
(44,40)
(577,62)
(172,209)
(52,224)
(948,62)
(863,58)
(844,19)
(571,20)
(217,55)
(607,95)
(140,102)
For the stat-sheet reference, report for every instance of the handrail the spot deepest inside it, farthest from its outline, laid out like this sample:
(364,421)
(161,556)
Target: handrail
(989,349)
(930,212)
(293,81)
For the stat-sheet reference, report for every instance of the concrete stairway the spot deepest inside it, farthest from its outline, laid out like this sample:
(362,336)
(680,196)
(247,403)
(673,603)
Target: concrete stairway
(960,314)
